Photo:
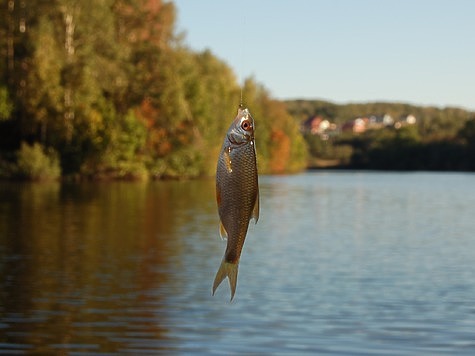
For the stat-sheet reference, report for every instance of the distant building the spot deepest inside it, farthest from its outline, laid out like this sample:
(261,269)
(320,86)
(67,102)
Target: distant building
(357,125)
(316,125)
(409,119)
(388,120)
(380,121)
(405,120)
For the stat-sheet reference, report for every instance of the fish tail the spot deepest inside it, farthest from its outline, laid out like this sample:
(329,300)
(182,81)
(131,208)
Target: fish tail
(230,270)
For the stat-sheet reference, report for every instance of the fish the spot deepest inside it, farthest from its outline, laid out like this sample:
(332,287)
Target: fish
(237,193)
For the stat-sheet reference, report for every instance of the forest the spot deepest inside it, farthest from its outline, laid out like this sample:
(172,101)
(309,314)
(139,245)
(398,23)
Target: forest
(109,90)
(115,93)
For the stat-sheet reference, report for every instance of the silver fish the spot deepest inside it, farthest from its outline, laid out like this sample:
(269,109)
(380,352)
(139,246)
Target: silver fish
(237,193)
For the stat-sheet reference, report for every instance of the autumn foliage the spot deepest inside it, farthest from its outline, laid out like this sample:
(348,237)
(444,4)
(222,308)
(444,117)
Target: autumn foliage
(114,93)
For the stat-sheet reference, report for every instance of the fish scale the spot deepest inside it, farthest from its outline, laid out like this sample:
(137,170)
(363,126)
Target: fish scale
(237,200)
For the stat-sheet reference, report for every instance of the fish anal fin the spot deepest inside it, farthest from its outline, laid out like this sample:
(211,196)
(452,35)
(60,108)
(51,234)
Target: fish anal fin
(222,231)
(230,270)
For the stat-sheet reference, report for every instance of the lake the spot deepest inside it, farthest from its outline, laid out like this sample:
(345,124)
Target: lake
(340,262)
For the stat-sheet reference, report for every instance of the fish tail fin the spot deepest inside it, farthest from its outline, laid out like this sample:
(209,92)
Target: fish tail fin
(230,270)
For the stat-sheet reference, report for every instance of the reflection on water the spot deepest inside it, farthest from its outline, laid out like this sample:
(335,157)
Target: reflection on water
(340,262)
(87,267)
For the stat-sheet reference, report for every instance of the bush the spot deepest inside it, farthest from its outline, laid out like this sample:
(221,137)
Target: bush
(6,106)
(36,163)
(6,169)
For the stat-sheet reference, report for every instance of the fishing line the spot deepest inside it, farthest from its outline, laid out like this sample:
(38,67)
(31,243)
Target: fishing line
(242,55)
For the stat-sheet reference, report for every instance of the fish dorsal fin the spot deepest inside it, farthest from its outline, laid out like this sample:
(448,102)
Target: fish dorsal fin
(255,211)
(222,231)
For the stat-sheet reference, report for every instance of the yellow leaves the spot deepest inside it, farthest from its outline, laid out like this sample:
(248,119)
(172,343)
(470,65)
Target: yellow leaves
(96,122)
(279,152)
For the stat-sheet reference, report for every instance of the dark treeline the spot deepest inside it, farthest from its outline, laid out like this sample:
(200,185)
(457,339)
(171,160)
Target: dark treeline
(441,139)
(108,89)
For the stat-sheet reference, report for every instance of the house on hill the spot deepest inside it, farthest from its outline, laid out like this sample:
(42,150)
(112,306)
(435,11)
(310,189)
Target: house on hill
(316,125)
(405,120)
(357,125)
(380,121)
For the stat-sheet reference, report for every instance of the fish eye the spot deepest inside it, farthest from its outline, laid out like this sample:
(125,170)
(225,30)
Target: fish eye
(246,125)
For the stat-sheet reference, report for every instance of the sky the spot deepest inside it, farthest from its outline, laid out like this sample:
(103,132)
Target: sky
(416,51)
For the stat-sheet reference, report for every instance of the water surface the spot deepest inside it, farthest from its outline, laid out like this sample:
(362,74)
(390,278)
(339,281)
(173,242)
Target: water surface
(339,263)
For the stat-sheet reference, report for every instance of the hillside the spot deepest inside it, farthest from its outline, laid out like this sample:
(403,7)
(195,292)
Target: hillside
(431,120)
(379,135)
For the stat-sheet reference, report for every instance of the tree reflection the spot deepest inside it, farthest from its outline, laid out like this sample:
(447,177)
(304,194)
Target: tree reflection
(92,266)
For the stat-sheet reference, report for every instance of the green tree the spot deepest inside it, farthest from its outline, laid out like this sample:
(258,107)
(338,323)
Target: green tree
(467,135)
(36,163)
(467,132)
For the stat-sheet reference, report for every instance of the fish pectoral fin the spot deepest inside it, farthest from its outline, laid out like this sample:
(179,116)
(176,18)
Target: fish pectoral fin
(230,270)
(222,231)
(227,160)
(255,211)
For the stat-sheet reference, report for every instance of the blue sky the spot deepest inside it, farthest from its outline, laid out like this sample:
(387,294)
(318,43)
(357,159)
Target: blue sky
(416,51)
